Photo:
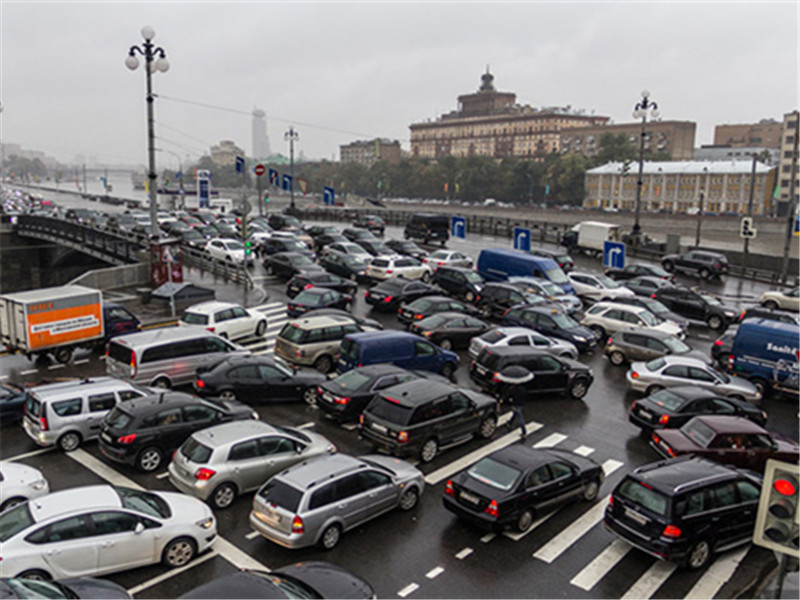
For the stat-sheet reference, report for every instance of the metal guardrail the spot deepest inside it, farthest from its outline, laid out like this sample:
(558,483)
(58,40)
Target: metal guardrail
(228,270)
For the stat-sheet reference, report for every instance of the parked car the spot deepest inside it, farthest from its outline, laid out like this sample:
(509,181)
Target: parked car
(500,264)
(12,403)
(428,227)
(349,267)
(348,249)
(20,483)
(400,348)
(365,323)
(321,280)
(387,267)
(606,318)
(359,235)
(554,323)
(221,462)
(313,298)
(634,344)
(647,285)
(316,501)
(226,319)
(449,330)
(99,529)
(407,248)
(632,271)
(74,587)
(421,417)
(521,336)
(314,341)
(672,371)
(376,247)
(193,238)
(429,305)
(372,223)
(288,264)
(766,352)
(228,250)
(447,258)
(143,431)
(706,265)
(551,374)
(673,407)
(274,244)
(697,306)
(284,222)
(511,487)
(758,312)
(496,298)
(788,300)
(561,258)
(549,291)
(655,307)
(726,439)
(321,242)
(388,294)
(317,230)
(672,509)
(595,287)
(256,380)
(461,282)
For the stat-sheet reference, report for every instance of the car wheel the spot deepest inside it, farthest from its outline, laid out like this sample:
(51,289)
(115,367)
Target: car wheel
(310,396)
(227,396)
(578,388)
(330,537)
(179,552)
(261,328)
(69,441)
(63,355)
(12,502)
(353,277)
(668,266)
(323,364)
(429,450)
(35,575)
(447,370)
(524,521)
(445,344)
(469,296)
(591,490)
(601,333)
(714,322)
(409,499)
(488,427)
(616,358)
(162,383)
(699,555)
(704,273)
(770,304)
(224,495)
(486,311)
(762,387)
(149,459)
(653,389)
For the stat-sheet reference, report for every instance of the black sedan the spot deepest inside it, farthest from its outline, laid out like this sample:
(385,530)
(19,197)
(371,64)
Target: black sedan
(275,245)
(390,294)
(407,248)
(81,587)
(319,279)
(632,271)
(345,397)
(552,322)
(376,247)
(315,297)
(12,402)
(256,380)
(357,235)
(429,305)
(646,285)
(673,407)
(349,267)
(317,230)
(325,239)
(288,264)
(450,330)
(510,487)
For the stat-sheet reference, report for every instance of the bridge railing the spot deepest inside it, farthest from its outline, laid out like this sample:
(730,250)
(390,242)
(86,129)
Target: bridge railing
(229,271)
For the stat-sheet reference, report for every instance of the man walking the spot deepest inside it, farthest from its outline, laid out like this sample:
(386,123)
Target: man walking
(516,392)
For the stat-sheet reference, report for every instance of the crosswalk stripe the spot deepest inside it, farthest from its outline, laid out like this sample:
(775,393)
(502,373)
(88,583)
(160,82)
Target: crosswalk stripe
(268,305)
(610,466)
(602,564)
(717,574)
(550,441)
(653,578)
(409,589)
(583,450)
(557,546)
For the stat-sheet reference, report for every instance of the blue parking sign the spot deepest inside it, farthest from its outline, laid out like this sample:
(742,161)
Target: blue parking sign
(458,227)
(613,255)
(522,239)
(328,195)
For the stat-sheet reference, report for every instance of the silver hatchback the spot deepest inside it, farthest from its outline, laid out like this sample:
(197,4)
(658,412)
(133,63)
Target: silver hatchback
(218,463)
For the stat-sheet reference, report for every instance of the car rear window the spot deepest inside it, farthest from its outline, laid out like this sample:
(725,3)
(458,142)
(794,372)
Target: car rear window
(667,399)
(655,365)
(698,431)
(490,360)
(380,262)
(390,410)
(195,451)
(292,333)
(32,406)
(143,502)
(492,337)
(644,495)
(120,353)
(194,319)
(421,304)
(352,380)
(495,474)
(433,322)
(118,419)
(280,494)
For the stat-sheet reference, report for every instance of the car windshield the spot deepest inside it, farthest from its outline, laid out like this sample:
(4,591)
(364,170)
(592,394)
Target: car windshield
(191,318)
(644,495)
(440,255)
(420,304)
(296,246)
(492,337)
(292,333)
(473,277)
(352,380)
(432,322)
(354,263)
(283,367)
(14,520)
(195,451)
(556,275)
(698,431)
(667,399)
(143,502)
(495,474)
(675,345)
(654,306)
(234,245)
(301,260)
(563,321)
(380,262)
(280,494)
(607,282)
(710,300)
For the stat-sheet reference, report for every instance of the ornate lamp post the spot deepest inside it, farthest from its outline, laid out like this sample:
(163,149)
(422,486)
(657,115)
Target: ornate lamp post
(703,193)
(640,111)
(291,136)
(155,60)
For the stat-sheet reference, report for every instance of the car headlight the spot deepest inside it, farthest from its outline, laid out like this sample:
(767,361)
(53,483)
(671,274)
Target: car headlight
(764,415)
(256,416)
(730,313)
(758,396)
(206,523)
(579,338)
(39,484)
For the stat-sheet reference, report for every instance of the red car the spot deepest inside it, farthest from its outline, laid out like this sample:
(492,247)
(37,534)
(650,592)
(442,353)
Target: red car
(730,440)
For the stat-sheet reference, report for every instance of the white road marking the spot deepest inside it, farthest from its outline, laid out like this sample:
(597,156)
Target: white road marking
(268,305)
(557,546)
(308,425)
(610,466)
(3,377)
(52,367)
(28,371)
(464,553)
(163,475)
(650,581)
(433,573)
(171,573)
(31,453)
(252,535)
(718,574)
(488,537)
(516,536)
(237,557)
(504,418)
(409,589)
(602,564)
(101,357)
(583,450)
(82,361)
(550,441)
(472,457)
(349,426)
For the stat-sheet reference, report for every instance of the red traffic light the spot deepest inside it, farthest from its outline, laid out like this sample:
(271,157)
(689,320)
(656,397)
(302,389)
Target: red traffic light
(785,487)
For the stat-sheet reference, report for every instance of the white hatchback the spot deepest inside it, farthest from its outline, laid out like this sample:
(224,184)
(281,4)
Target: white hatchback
(386,267)
(93,530)
(226,249)
(19,483)
(226,319)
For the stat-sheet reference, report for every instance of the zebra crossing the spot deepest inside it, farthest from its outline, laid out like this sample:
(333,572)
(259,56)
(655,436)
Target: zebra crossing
(276,319)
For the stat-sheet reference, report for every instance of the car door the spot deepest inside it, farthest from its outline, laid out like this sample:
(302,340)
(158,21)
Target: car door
(727,516)
(274,384)
(247,465)
(350,503)
(456,331)
(382,493)
(424,357)
(464,415)
(702,378)
(692,305)
(654,348)
(241,322)
(98,405)
(554,483)
(123,543)
(68,547)
(278,452)
(675,375)
(550,374)
(247,383)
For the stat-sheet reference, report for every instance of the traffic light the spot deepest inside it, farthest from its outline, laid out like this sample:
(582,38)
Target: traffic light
(776,522)
(248,247)
(266,197)
(626,167)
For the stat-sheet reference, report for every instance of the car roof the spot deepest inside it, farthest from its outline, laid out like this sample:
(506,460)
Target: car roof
(670,476)
(505,351)
(418,391)
(211,306)
(652,333)
(309,473)
(522,456)
(162,334)
(49,390)
(628,307)
(722,424)
(437,299)
(671,359)
(321,321)
(151,402)
(227,433)
(73,499)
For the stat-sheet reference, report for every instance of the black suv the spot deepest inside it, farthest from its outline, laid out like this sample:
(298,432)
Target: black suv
(358,235)
(697,306)
(553,322)
(551,374)
(429,305)
(349,267)
(697,262)
(322,279)
(685,509)
(144,431)
(372,222)
(428,227)
(759,312)
(288,264)
(459,281)
(407,248)
(422,416)
(390,294)
(496,298)
(376,247)
(284,222)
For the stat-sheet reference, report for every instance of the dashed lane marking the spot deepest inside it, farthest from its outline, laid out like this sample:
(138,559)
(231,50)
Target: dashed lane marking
(252,535)
(587,578)
(308,425)
(557,546)
(653,578)
(28,371)
(3,377)
(433,573)
(409,589)
(610,466)
(583,450)
(717,574)
(461,555)
(171,573)
(550,441)
(53,367)
(488,537)
(82,361)
(29,454)
(163,475)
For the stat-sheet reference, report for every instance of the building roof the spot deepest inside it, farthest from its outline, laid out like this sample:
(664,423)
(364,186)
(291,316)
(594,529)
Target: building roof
(685,167)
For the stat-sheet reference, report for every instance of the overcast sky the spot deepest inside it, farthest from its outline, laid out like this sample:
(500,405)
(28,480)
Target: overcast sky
(340,72)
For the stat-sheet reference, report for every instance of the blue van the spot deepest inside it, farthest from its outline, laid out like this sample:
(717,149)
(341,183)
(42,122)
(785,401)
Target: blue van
(766,352)
(498,264)
(400,348)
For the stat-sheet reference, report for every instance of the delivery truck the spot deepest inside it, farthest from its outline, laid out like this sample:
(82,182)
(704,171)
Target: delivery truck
(590,236)
(52,321)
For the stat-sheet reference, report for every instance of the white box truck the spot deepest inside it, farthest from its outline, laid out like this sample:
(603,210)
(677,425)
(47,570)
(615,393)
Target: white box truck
(590,236)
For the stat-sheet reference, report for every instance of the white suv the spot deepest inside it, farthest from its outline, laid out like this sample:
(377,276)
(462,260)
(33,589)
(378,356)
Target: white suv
(226,319)
(226,249)
(386,267)
(606,318)
(596,287)
(782,300)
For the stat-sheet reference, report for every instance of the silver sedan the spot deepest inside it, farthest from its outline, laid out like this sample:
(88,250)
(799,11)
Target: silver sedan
(521,336)
(447,258)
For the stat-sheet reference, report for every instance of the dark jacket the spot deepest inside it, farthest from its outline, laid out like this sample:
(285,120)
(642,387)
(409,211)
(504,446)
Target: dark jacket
(517,395)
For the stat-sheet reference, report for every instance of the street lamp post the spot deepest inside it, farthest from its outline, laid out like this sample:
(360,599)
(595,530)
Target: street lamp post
(640,112)
(700,208)
(291,136)
(155,60)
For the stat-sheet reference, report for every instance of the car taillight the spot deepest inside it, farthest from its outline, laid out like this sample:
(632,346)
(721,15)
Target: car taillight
(652,296)
(211,329)
(427,333)
(609,341)
(448,488)
(388,299)
(126,439)
(366,294)
(634,375)
(402,437)
(496,377)
(718,342)
(741,316)
(133,363)
(43,424)
(389,271)
(672,531)
(731,360)
(299,354)
(174,452)
(440,263)
(297,525)
(491,510)
(611,500)
(203,474)
(418,317)
(506,312)
(342,400)
(663,419)
(200,383)
(633,406)
(361,419)
(717,266)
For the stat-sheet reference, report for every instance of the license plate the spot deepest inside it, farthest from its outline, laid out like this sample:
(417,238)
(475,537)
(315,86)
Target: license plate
(105,437)
(645,414)
(406,314)
(377,296)
(480,369)
(327,397)
(379,427)
(635,516)
(468,497)
(269,517)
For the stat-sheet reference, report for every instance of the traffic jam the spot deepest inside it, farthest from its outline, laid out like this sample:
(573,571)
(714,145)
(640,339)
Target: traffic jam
(403,414)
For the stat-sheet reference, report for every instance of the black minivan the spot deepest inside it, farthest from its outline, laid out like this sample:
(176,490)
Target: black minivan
(428,227)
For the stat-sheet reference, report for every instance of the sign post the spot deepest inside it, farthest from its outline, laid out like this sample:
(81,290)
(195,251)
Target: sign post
(259,170)
(203,188)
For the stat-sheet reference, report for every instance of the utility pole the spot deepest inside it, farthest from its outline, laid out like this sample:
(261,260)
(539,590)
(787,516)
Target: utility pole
(792,203)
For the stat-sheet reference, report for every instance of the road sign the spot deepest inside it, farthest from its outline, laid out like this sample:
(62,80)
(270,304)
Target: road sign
(259,170)
(522,239)
(613,255)
(796,230)
(328,195)
(746,229)
(458,227)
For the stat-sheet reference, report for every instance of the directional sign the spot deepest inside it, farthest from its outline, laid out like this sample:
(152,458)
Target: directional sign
(203,195)
(328,195)
(746,229)
(458,227)
(614,255)
(287,182)
(522,239)
(259,170)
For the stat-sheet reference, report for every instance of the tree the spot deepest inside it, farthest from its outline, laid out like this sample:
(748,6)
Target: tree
(614,147)
(566,176)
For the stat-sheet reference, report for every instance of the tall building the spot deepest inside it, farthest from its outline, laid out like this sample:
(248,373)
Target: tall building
(490,123)
(764,134)
(673,137)
(260,140)
(371,151)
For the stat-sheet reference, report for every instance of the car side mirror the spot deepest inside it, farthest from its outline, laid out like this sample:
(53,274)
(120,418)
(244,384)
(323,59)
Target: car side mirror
(139,528)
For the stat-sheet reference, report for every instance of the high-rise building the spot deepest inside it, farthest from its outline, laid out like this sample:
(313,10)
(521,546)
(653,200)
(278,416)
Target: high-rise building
(260,140)
(788,162)
(764,134)
(675,138)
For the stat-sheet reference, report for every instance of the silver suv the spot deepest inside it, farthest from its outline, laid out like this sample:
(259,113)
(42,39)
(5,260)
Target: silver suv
(314,341)
(316,501)
(218,463)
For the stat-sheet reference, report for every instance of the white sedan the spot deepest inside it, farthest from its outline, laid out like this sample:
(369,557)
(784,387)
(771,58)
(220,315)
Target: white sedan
(448,258)
(386,267)
(226,319)
(227,249)
(19,483)
(597,287)
(93,530)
